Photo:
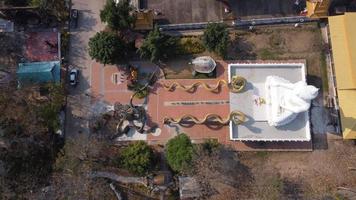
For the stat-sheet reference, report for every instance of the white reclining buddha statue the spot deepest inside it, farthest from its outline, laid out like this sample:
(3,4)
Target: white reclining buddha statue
(285,100)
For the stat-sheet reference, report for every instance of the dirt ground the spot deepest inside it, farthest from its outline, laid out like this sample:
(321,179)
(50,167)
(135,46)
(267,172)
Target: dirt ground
(185,11)
(284,43)
(302,175)
(11,50)
(268,43)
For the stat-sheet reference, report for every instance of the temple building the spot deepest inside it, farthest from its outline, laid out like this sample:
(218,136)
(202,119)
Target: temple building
(343,41)
(318,8)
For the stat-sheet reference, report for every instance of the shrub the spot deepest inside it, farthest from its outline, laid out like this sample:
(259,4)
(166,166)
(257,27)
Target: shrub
(179,152)
(142,94)
(216,38)
(158,46)
(138,158)
(64,43)
(107,48)
(266,54)
(118,15)
(49,112)
(191,46)
(136,87)
(210,145)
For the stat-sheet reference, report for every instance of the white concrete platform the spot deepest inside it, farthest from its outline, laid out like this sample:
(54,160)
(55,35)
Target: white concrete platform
(256,127)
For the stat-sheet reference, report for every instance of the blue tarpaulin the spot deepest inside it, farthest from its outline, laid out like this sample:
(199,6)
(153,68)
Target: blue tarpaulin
(38,72)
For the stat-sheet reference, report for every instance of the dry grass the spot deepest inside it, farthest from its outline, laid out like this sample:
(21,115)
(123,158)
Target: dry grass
(283,43)
(268,43)
(303,175)
(11,50)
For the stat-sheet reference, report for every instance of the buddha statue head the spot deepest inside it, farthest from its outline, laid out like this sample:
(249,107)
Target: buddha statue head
(304,91)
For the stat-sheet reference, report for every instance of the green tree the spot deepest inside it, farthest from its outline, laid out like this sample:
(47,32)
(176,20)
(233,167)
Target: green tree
(118,15)
(49,111)
(107,48)
(57,8)
(138,158)
(158,46)
(216,38)
(179,152)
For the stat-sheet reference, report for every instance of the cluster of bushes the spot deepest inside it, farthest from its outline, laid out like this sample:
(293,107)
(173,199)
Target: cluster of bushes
(49,111)
(110,47)
(137,87)
(118,16)
(107,48)
(179,152)
(140,159)
(216,38)
(54,7)
(65,36)
(191,46)
(158,46)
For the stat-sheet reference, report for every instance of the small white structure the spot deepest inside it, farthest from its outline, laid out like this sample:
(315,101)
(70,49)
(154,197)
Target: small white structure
(203,64)
(285,100)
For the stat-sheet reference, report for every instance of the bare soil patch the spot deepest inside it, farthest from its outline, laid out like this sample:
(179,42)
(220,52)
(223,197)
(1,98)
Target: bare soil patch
(283,43)
(302,175)
(11,51)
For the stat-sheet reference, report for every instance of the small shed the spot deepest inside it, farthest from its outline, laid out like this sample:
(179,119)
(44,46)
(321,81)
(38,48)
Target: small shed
(144,20)
(6,26)
(189,188)
(38,72)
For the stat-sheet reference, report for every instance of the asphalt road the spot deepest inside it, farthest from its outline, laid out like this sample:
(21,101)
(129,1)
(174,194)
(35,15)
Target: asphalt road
(78,105)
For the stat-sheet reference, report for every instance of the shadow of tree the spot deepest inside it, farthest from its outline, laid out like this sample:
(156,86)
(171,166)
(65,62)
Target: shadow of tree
(241,49)
(221,170)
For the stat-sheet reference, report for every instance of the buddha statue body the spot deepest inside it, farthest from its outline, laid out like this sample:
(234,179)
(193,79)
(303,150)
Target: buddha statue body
(285,100)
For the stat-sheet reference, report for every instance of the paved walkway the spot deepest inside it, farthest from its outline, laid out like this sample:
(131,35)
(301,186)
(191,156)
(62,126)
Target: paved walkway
(162,103)
(78,109)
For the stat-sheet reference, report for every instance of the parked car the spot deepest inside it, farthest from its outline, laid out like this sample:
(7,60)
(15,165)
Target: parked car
(73,77)
(74,14)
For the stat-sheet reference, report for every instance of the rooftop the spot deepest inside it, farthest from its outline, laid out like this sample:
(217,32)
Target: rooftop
(42,46)
(38,72)
(343,41)
(256,128)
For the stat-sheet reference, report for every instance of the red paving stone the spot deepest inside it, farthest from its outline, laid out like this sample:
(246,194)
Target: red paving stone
(158,107)
(36,48)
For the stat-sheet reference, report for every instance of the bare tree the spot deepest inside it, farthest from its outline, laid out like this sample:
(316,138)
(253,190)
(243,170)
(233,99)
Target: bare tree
(218,170)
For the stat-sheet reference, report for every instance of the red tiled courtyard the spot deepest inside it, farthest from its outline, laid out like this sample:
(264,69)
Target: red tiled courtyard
(162,103)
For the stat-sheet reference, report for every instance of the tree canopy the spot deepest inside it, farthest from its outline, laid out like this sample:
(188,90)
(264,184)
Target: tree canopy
(118,15)
(158,46)
(137,158)
(107,48)
(216,38)
(179,152)
(52,7)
